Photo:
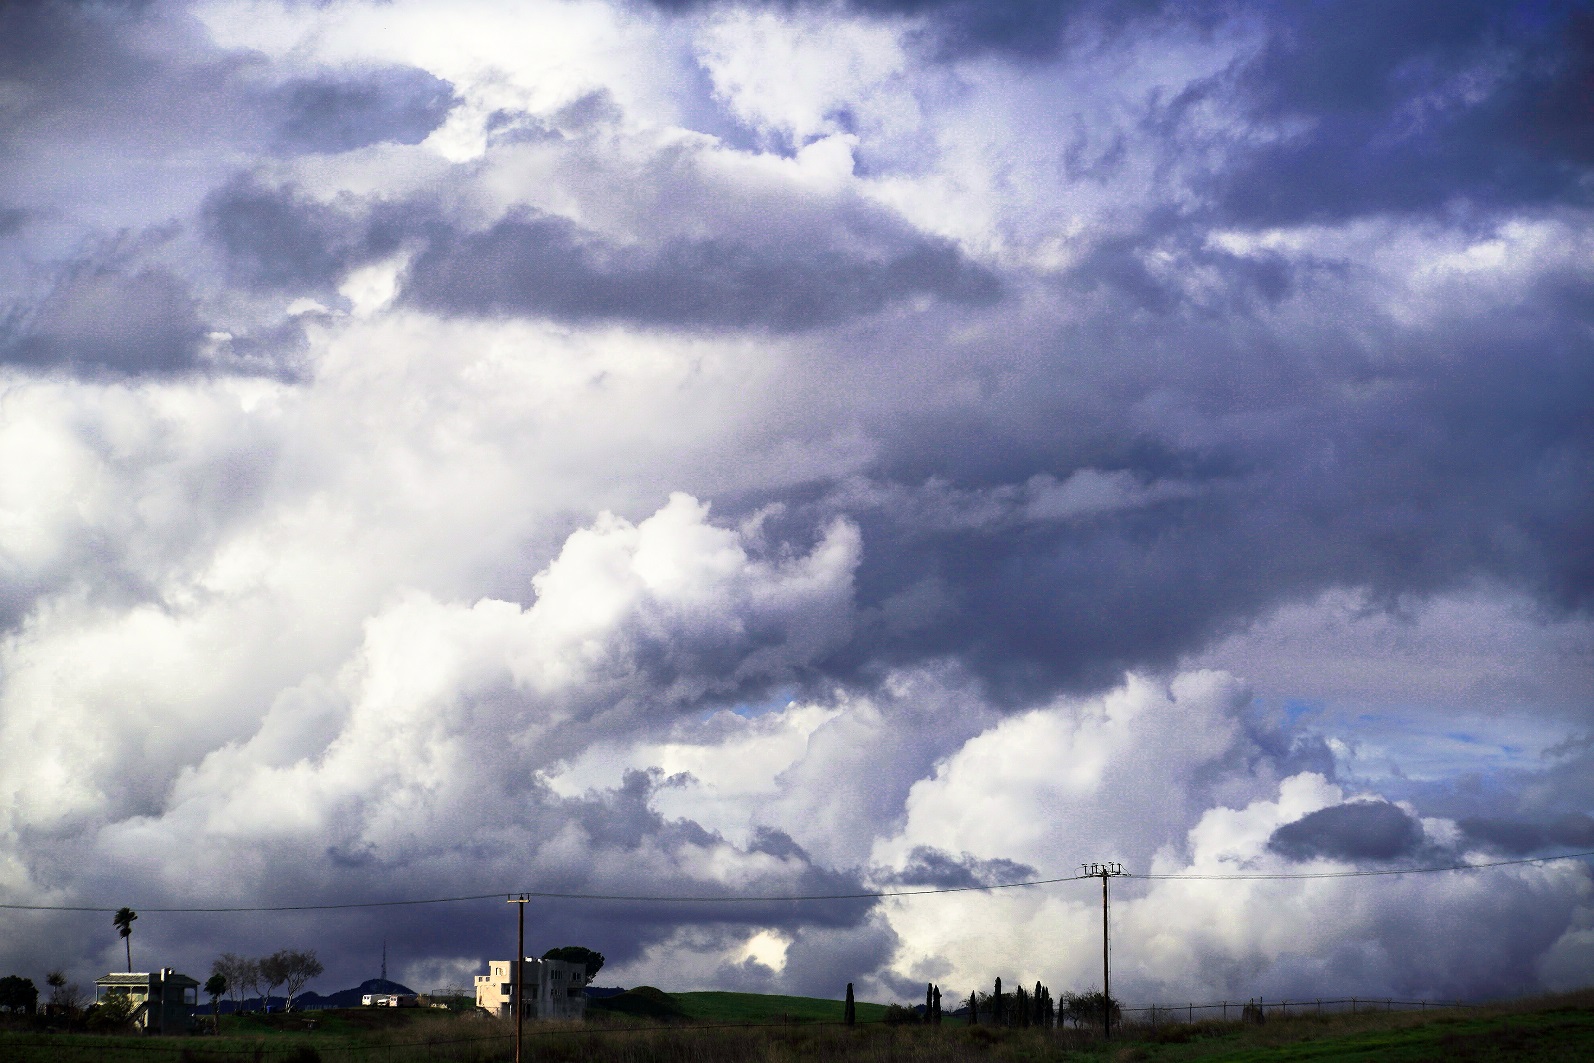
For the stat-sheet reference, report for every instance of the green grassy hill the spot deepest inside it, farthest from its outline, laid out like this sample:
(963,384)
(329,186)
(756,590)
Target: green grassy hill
(1548,1030)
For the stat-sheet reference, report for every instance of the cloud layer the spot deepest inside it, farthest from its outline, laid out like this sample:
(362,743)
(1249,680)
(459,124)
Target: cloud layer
(744,448)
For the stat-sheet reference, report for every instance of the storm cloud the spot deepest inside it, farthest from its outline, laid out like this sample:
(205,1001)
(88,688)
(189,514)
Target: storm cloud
(104,318)
(1359,830)
(543,267)
(400,105)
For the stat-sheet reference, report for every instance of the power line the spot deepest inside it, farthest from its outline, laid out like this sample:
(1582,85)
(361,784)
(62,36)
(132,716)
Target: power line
(706,898)
(723,898)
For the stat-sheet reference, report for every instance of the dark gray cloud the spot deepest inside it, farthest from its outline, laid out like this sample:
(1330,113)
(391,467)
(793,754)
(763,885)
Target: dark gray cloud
(1358,830)
(1024,29)
(535,265)
(278,239)
(77,43)
(141,320)
(1405,109)
(538,265)
(142,91)
(400,105)
(1519,837)
(1338,464)
(927,866)
(134,68)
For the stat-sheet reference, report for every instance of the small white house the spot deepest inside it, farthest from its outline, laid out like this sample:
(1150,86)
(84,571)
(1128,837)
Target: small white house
(555,989)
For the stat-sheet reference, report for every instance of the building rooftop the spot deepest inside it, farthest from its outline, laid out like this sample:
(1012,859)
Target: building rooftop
(143,978)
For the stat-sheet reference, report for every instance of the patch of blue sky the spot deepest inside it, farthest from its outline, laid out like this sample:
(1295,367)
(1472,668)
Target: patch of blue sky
(776,702)
(1375,746)
(1297,710)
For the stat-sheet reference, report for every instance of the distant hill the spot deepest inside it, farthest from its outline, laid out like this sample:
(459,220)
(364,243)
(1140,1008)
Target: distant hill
(643,1002)
(343,998)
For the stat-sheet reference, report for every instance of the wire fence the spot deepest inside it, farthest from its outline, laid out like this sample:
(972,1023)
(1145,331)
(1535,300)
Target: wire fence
(1261,1009)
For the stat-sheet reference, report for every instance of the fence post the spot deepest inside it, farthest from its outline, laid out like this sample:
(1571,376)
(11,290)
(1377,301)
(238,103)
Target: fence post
(1225,1011)
(1190,1014)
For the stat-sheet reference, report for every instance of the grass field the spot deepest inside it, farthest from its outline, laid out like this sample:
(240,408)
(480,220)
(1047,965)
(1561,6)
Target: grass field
(762,1008)
(738,1027)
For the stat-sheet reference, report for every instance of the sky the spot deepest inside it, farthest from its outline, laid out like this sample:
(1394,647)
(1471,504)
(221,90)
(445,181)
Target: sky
(752,449)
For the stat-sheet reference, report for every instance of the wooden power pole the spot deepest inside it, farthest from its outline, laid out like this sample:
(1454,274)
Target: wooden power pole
(520,971)
(1104,872)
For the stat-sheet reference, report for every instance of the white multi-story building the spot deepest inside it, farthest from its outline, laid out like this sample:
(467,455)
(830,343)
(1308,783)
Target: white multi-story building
(159,1001)
(554,989)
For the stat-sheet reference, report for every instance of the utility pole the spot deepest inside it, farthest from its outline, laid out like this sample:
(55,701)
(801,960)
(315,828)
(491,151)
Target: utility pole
(1104,872)
(520,971)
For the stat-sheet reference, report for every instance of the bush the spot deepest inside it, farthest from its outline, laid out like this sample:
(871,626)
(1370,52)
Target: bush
(112,1012)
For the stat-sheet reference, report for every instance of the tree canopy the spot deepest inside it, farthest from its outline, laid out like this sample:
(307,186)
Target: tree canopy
(593,961)
(18,993)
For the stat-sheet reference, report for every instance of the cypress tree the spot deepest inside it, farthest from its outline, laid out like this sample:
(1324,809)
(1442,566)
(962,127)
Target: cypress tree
(850,1015)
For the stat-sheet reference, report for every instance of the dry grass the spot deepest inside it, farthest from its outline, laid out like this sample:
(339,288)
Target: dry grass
(1543,1028)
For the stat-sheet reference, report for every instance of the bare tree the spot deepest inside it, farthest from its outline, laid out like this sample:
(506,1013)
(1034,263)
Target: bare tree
(299,968)
(65,999)
(273,972)
(249,978)
(229,967)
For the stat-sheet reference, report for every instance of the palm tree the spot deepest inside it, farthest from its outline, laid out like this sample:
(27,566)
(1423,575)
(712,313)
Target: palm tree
(123,920)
